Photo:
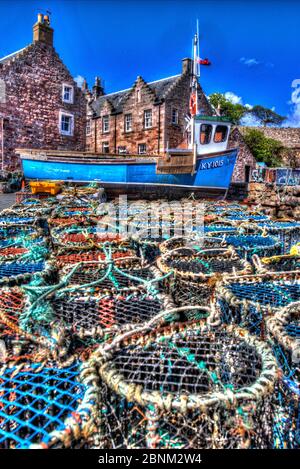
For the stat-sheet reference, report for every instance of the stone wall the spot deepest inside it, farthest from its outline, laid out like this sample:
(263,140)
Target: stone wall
(288,136)
(244,158)
(277,201)
(33,81)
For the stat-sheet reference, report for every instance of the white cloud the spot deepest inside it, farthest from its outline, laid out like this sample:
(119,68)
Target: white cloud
(233,98)
(79,80)
(293,118)
(253,62)
(249,62)
(250,120)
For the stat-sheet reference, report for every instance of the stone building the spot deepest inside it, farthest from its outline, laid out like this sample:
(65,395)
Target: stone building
(146,118)
(41,106)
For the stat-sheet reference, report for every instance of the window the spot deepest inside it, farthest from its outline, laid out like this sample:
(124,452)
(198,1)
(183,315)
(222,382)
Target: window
(67,93)
(105,124)
(138,95)
(66,124)
(220,133)
(175,116)
(148,119)
(205,133)
(105,147)
(122,150)
(128,122)
(88,127)
(142,148)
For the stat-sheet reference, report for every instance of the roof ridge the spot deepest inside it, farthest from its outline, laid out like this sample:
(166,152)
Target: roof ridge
(13,54)
(147,82)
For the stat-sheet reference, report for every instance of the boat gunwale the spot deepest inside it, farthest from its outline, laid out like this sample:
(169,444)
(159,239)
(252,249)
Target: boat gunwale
(151,159)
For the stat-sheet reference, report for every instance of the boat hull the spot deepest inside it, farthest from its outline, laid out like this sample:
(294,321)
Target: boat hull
(211,172)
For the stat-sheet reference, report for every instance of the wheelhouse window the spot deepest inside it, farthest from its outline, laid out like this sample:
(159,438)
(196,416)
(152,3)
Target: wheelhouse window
(142,148)
(105,124)
(205,133)
(66,124)
(148,119)
(67,94)
(220,133)
(122,150)
(128,122)
(175,116)
(105,147)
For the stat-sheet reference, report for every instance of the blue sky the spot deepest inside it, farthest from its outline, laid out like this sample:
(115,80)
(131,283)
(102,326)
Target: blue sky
(253,45)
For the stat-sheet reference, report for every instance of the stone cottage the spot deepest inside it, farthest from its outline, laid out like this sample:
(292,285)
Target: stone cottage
(41,106)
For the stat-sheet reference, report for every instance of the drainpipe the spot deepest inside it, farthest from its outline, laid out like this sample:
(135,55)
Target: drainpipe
(158,137)
(115,133)
(2,143)
(95,136)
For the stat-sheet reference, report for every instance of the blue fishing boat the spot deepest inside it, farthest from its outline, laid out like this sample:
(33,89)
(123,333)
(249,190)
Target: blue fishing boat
(205,165)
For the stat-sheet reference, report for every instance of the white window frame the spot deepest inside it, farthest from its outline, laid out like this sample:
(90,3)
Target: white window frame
(71,98)
(69,133)
(122,150)
(128,120)
(105,130)
(139,149)
(88,129)
(105,144)
(148,123)
(175,121)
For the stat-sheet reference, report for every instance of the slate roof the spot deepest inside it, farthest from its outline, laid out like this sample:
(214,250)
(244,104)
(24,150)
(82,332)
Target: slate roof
(159,87)
(9,57)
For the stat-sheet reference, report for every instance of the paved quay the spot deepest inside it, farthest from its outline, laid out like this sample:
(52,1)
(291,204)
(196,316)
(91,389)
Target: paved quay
(7,200)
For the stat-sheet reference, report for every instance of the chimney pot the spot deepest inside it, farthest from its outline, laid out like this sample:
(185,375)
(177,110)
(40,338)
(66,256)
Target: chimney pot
(42,32)
(187,66)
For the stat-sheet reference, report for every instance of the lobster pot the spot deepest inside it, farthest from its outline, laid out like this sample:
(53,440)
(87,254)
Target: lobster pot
(285,263)
(23,247)
(248,245)
(12,231)
(284,333)
(115,276)
(220,228)
(287,232)
(239,216)
(197,273)
(94,316)
(45,406)
(17,272)
(119,255)
(11,220)
(192,385)
(250,300)
(84,237)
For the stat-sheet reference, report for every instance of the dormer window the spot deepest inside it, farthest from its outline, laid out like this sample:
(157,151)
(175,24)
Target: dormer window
(68,93)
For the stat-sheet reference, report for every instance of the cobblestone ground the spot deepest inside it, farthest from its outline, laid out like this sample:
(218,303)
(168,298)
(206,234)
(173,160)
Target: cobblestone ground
(6,200)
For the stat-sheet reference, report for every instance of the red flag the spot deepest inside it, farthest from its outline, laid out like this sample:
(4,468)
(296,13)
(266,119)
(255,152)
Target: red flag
(203,61)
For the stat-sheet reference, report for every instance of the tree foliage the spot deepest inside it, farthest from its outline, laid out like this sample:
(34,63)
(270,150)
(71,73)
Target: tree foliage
(264,149)
(235,112)
(267,116)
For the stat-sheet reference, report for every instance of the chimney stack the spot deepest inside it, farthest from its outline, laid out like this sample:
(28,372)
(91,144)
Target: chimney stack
(98,88)
(187,66)
(42,32)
